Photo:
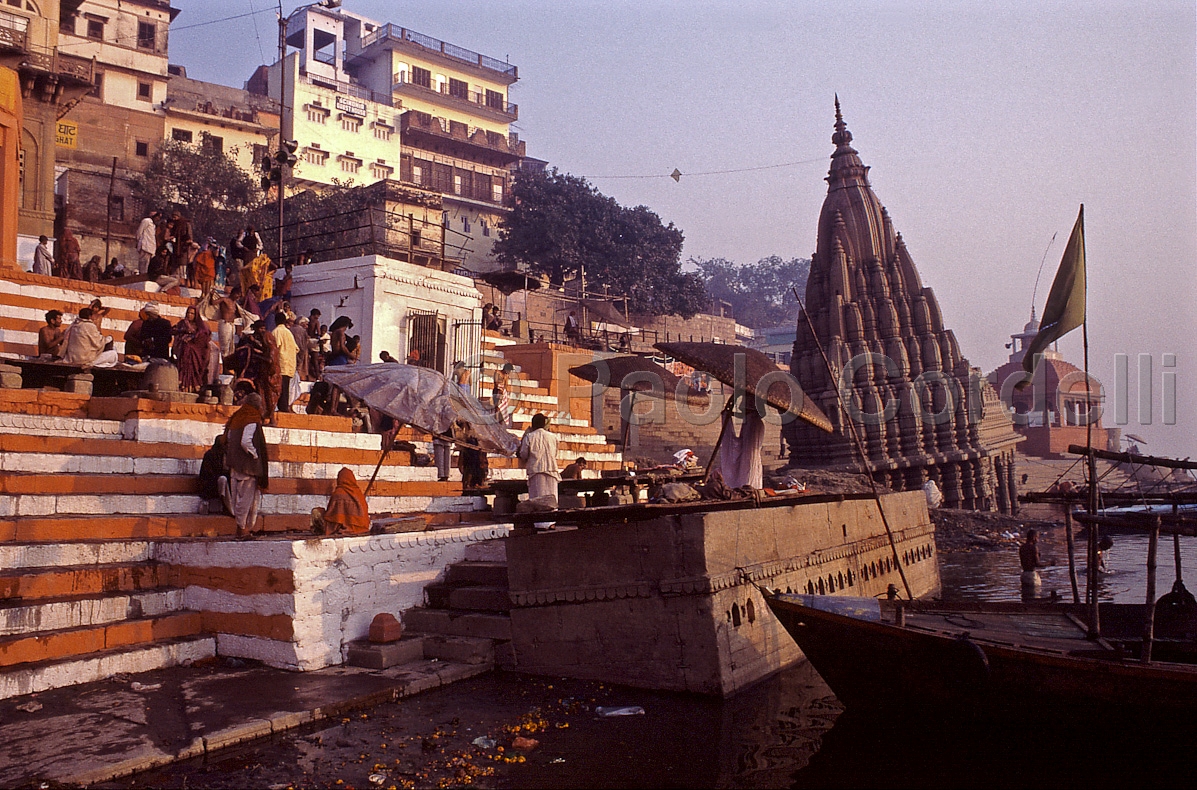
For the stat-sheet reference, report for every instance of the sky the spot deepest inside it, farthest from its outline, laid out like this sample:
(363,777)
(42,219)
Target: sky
(985,124)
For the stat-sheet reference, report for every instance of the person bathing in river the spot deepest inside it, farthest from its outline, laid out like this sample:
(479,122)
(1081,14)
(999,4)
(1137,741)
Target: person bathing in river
(1028,557)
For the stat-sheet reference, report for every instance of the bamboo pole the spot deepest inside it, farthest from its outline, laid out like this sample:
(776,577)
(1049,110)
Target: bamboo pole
(1176,547)
(1095,608)
(1076,595)
(1149,621)
(727,410)
(381,458)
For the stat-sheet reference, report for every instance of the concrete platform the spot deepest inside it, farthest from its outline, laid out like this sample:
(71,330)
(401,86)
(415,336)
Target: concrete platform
(112,728)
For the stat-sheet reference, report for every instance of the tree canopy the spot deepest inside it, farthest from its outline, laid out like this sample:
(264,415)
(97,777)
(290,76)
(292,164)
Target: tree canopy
(560,226)
(207,185)
(759,293)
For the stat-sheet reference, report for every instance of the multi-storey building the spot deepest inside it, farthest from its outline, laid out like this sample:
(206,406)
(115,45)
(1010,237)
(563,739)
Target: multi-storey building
(49,80)
(118,125)
(368,101)
(220,119)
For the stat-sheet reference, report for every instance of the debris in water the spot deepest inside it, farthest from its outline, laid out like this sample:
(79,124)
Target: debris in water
(627,710)
(144,686)
(32,706)
(377,779)
(524,744)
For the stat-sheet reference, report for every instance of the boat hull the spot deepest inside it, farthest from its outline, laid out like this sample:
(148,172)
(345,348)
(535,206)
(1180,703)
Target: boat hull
(875,665)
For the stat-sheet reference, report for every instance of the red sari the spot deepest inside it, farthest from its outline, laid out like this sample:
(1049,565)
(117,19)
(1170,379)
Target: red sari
(192,340)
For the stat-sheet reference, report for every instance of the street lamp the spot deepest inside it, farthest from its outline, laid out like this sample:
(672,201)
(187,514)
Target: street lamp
(276,172)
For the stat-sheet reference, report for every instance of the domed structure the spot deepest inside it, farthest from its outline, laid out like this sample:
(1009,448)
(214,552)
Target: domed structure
(921,411)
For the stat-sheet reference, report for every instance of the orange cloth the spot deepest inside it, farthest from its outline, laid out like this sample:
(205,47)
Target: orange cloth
(347,512)
(246,415)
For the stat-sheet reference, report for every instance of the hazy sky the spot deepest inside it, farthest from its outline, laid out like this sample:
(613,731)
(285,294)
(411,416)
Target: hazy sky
(985,125)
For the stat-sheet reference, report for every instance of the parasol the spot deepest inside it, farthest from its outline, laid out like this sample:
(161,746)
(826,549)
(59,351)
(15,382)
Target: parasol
(637,374)
(508,282)
(744,368)
(423,398)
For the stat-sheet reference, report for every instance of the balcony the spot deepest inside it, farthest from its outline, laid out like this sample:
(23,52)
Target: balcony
(14,35)
(491,68)
(348,89)
(472,102)
(419,127)
(69,67)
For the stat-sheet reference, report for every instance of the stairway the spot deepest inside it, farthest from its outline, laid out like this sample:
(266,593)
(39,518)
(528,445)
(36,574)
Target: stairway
(470,605)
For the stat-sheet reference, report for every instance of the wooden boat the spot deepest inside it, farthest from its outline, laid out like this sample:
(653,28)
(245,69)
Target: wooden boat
(998,662)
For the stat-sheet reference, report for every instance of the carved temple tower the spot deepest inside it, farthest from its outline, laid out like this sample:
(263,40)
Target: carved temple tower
(921,411)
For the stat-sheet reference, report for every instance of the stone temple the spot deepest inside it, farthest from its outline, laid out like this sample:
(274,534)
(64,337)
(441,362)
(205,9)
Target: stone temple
(921,411)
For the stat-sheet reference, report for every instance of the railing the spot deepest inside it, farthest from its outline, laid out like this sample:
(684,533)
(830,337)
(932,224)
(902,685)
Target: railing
(14,31)
(448,50)
(403,81)
(441,128)
(366,231)
(82,69)
(349,89)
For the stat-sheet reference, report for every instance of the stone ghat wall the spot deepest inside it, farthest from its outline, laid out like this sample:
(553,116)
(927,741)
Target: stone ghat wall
(674,603)
(296,604)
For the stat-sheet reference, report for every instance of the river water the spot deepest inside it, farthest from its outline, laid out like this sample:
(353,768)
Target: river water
(788,731)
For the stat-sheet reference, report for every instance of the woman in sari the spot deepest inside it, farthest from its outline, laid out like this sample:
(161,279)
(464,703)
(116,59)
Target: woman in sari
(192,338)
(346,513)
(257,272)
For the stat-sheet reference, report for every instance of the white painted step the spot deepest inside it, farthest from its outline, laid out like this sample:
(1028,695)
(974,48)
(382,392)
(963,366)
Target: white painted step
(31,679)
(57,615)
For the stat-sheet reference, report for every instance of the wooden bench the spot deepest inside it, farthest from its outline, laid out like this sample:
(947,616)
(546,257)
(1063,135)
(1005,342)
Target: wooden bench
(106,382)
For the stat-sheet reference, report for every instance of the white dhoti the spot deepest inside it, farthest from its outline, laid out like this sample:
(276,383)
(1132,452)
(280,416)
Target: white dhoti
(225,336)
(542,485)
(241,497)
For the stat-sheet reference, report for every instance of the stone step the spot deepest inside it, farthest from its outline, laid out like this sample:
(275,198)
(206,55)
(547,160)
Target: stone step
(445,621)
(477,574)
(78,642)
(14,556)
(31,584)
(480,599)
(80,612)
(460,649)
(45,675)
(163,484)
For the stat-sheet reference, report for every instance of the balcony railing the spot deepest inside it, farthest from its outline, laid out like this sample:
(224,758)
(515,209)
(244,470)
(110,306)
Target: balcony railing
(81,69)
(430,124)
(348,88)
(403,81)
(396,33)
(14,31)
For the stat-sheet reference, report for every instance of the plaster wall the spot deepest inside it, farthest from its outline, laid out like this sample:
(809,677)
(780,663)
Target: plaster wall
(330,589)
(380,295)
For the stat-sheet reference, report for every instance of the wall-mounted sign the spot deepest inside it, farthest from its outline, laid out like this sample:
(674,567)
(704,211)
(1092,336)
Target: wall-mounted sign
(66,134)
(352,106)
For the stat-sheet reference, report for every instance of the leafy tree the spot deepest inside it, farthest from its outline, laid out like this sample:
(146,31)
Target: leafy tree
(561,225)
(759,293)
(209,187)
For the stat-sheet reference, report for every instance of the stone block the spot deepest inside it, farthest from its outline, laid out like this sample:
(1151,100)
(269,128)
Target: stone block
(11,381)
(431,621)
(384,628)
(381,656)
(79,384)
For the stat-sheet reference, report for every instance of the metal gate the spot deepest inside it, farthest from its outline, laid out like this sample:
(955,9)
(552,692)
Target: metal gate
(428,337)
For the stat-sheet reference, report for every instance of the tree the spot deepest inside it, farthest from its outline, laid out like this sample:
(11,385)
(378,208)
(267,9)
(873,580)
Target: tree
(561,226)
(759,293)
(206,185)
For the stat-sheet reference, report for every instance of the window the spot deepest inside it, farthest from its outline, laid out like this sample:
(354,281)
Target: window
(314,156)
(381,170)
(117,208)
(316,113)
(95,29)
(349,163)
(485,227)
(421,77)
(212,144)
(350,124)
(181,135)
(465,224)
(98,90)
(144,91)
(456,185)
(459,89)
(382,130)
(141,148)
(147,35)
(494,99)
(260,152)
(458,129)
(496,191)
(417,174)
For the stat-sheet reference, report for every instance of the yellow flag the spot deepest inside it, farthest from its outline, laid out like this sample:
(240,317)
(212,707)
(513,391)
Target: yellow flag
(1065,308)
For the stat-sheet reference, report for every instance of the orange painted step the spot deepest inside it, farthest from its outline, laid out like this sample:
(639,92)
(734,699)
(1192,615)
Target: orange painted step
(29,584)
(72,529)
(55,645)
(50,484)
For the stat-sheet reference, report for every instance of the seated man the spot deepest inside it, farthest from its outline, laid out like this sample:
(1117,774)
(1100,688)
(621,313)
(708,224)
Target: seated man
(51,338)
(214,473)
(86,346)
(574,470)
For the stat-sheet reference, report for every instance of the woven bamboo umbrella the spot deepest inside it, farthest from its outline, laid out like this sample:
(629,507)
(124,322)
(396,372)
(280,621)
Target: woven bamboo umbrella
(750,372)
(637,374)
